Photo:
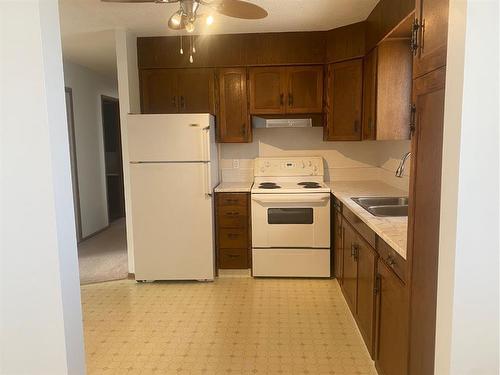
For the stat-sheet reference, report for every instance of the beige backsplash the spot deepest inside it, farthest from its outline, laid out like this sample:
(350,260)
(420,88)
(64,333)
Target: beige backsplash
(344,161)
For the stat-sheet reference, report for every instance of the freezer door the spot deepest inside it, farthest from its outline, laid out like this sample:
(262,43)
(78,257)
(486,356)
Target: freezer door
(177,137)
(172,221)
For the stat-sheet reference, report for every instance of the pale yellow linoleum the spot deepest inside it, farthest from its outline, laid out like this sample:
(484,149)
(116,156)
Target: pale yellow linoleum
(231,326)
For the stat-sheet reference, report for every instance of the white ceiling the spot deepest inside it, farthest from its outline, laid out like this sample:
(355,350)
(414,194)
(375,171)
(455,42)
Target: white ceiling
(87,25)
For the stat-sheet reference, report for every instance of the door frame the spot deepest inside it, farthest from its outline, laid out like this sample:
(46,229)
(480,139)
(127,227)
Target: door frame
(106,98)
(74,163)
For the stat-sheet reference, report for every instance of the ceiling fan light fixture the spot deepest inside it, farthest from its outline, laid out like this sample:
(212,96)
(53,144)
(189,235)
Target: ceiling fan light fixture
(176,19)
(210,20)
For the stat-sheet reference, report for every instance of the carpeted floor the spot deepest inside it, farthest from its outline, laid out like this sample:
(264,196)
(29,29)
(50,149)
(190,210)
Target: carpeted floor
(104,256)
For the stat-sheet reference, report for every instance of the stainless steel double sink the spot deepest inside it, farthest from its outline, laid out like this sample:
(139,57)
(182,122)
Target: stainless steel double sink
(384,206)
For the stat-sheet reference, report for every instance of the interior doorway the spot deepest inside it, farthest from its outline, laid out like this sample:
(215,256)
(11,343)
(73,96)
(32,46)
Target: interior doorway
(113,157)
(74,170)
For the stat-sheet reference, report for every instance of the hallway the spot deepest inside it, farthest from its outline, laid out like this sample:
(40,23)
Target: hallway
(103,257)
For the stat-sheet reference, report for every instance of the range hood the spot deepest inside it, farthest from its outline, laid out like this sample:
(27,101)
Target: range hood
(260,122)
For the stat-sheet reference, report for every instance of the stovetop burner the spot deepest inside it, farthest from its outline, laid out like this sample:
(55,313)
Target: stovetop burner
(269,185)
(309,185)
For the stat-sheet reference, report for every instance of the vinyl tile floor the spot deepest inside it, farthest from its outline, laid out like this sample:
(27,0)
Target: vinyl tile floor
(230,326)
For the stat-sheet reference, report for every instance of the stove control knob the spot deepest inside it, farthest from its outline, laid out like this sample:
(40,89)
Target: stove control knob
(262,169)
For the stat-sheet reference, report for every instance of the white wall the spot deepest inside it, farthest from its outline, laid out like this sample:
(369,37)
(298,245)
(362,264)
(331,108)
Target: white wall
(344,160)
(40,312)
(88,86)
(128,84)
(467,331)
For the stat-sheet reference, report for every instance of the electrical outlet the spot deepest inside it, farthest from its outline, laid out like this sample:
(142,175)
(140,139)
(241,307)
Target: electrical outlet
(236,164)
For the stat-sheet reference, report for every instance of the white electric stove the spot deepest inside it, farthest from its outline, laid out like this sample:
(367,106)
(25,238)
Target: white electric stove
(290,218)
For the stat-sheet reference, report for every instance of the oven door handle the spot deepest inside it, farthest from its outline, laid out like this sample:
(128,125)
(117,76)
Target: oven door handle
(298,198)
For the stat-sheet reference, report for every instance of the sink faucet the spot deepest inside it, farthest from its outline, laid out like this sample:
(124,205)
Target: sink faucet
(401,168)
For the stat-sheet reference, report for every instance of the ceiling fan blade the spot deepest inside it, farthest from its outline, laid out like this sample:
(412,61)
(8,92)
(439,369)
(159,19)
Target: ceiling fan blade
(237,9)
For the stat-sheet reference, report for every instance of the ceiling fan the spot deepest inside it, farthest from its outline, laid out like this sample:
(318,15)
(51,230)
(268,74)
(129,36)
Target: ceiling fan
(186,16)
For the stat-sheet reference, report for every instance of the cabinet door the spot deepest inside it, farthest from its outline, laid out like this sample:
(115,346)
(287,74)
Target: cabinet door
(305,89)
(391,357)
(196,90)
(267,90)
(370,95)
(350,274)
(338,246)
(423,218)
(159,91)
(432,36)
(344,99)
(233,119)
(367,262)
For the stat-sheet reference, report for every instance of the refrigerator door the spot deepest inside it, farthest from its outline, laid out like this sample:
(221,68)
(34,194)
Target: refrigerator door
(173,227)
(175,137)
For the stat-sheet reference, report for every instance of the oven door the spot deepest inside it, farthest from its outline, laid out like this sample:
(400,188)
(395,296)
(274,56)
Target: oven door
(291,220)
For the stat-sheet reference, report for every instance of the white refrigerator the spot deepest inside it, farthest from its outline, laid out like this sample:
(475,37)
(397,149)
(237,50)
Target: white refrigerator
(173,172)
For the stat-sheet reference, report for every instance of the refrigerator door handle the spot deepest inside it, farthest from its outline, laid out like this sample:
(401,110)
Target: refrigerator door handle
(206,171)
(205,142)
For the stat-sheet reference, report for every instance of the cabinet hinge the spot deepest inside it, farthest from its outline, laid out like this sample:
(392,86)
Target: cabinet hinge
(414,45)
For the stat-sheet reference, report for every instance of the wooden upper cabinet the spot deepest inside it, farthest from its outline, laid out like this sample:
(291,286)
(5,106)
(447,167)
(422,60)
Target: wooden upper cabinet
(370,95)
(177,90)
(391,346)
(159,91)
(233,125)
(432,36)
(196,90)
(305,89)
(344,101)
(267,90)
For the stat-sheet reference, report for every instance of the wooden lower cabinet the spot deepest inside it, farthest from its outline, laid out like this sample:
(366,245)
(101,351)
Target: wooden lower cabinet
(376,296)
(233,230)
(391,348)
(350,272)
(338,242)
(367,263)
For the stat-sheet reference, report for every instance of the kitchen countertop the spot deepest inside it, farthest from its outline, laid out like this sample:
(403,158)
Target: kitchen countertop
(234,187)
(392,230)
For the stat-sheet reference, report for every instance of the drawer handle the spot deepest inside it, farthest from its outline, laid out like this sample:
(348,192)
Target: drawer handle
(233,235)
(233,256)
(231,201)
(230,213)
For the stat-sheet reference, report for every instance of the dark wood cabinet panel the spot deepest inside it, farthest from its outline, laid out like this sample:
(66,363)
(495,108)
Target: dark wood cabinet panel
(370,95)
(423,218)
(394,82)
(177,90)
(196,90)
(159,91)
(232,213)
(233,258)
(350,274)
(305,89)
(345,42)
(391,357)
(338,246)
(432,39)
(233,118)
(367,261)
(344,101)
(267,90)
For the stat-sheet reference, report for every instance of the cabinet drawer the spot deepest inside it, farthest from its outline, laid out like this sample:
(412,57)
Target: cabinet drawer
(232,199)
(233,258)
(233,238)
(359,225)
(232,217)
(392,259)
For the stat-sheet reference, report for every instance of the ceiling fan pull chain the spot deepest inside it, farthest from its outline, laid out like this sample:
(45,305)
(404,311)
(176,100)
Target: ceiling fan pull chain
(181,51)
(191,49)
